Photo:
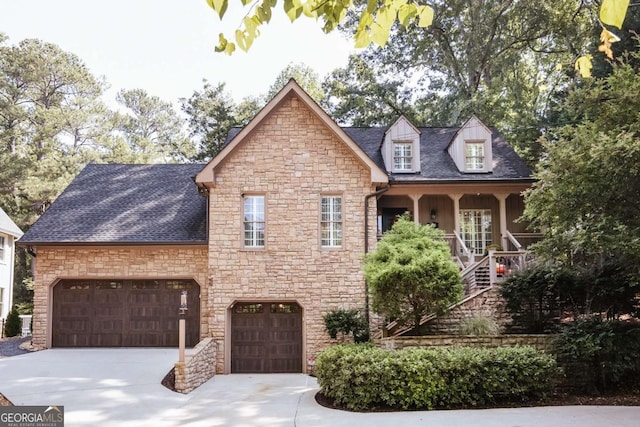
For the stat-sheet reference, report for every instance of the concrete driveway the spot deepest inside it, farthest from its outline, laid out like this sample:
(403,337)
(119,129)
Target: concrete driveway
(121,387)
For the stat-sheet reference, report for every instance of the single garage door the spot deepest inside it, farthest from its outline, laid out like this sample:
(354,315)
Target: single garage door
(123,313)
(266,337)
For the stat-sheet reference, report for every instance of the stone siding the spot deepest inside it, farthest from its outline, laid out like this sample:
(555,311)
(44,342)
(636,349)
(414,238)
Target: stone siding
(198,367)
(541,342)
(292,159)
(141,262)
(488,303)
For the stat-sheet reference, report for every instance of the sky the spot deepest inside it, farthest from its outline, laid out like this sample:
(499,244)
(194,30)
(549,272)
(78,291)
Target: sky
(167,46)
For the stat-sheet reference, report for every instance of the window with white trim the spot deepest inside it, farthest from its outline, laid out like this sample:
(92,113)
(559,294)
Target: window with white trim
(331,221)
(254,226)
(403,156)
(475,229)
(474,155)
(2,248)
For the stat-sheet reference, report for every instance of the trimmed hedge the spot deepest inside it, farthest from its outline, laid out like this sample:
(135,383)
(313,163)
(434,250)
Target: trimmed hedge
(361,376)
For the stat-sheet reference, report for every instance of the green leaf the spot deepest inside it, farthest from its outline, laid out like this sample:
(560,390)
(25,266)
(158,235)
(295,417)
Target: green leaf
(372,5)
(264,13)
(362,39)
(366,19)
(222,43)
(245,2)
(310,10)
(379,34)
(293,9)
(425,14)
(385,19)
(613,12)
(231,47)
(583,65)
(406,13)
(219,6)
(241,40)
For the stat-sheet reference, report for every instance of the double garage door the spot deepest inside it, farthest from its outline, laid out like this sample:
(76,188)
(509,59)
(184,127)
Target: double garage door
(266,337)
(123,313)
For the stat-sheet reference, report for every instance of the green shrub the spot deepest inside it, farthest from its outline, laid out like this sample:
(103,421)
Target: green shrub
(361,376)
(599,356)
(12,325)
(347,322)
(478,325)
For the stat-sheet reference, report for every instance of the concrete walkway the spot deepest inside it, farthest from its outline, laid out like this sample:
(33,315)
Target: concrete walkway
(121,387)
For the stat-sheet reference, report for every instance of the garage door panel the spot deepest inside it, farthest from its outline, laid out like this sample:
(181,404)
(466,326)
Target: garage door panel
(266,337)
(116,313)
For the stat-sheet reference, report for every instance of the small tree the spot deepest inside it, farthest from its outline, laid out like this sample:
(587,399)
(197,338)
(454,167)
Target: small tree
(411,273)
(12,326)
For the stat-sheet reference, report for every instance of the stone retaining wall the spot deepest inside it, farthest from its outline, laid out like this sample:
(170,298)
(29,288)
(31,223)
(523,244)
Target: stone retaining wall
(198,367)
(541,342)
(487,303)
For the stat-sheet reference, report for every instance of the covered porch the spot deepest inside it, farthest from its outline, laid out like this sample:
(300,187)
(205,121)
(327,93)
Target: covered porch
(478,220)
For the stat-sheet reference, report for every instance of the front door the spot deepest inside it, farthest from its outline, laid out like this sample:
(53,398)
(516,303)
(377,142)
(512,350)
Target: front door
(475,229)
(388,218)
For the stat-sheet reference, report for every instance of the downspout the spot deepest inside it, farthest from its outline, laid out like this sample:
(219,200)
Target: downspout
(366,247)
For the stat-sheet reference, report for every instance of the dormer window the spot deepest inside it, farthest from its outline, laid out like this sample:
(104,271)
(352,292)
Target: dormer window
(474,155)
(402,156)
(471,147)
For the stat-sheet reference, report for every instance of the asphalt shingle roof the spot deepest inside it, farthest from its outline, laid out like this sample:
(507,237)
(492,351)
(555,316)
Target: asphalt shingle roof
(436,163)
(123,203)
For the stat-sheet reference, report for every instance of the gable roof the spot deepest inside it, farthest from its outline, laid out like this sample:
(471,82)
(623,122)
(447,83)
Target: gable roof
(121,203)
(207,175)
(466,124)
(7,226)
(436,163)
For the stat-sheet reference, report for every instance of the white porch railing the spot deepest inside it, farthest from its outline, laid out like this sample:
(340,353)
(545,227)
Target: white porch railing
(458,248)
(503,264)
(513,241)
(527,239)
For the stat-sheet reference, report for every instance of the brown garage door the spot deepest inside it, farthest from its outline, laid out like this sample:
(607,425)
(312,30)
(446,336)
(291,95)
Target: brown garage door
(266,338)
(123,313)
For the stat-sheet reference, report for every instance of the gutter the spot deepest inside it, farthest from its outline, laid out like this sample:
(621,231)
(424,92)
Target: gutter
(366,247)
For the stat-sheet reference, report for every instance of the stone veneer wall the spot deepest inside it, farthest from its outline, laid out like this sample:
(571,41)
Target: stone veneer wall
(140,262)
(198,367)
(292,159)
(541,342)
(488,303)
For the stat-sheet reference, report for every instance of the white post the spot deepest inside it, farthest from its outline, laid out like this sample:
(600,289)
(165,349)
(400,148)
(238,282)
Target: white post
(416,207)
(181,326)
(181,339)
(456,217)
(492,268)
(502,197)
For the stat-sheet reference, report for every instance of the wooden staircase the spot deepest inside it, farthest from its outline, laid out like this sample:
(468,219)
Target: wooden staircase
(477,278)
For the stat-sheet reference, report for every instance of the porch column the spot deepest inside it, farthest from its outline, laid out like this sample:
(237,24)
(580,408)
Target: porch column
(502,201)
(456,210)
(416,207)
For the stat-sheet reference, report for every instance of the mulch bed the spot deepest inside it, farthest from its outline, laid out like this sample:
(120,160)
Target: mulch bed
(169,380)
(619,399)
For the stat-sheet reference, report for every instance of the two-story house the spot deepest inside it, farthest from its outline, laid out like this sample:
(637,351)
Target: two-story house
(266,238)
(9,233)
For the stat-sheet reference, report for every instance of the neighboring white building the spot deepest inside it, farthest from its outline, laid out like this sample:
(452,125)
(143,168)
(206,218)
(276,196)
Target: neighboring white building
(9,233)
